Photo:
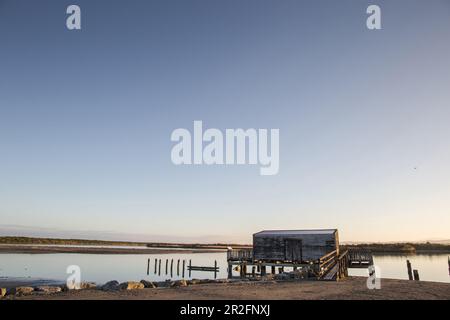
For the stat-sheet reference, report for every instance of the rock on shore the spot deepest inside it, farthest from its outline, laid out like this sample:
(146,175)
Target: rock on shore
(131,285)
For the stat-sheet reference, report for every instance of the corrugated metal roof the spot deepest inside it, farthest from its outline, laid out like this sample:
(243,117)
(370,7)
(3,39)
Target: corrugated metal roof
(296,232)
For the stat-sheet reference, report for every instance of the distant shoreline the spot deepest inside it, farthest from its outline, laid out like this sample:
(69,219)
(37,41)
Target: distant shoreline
(42,249)
(50,245)
(13,240)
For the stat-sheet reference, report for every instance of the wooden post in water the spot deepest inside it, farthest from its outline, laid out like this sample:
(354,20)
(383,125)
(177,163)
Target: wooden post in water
(184,261)
(408,265)
(167,265)
(263,270)
(215,269)
(253,271)
(148,266)
(156,264)
(230,270)
(190,265)
(159,270)
(416,275)
(178,267)
(273,270)
(171,268)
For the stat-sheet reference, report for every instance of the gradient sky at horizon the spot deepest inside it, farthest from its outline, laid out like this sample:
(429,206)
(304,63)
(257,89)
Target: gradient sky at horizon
(86,117)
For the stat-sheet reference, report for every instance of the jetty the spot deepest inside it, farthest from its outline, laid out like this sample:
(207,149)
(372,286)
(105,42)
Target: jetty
(306,254)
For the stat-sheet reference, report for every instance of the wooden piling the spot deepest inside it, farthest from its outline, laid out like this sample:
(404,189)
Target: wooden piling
(159,270)
(230,270)
(148,266)
(190,265)
(156,264)
(263,270)
(416,275)
(273,270)
(178,267)
(215,269)
(408,265)
(184,261)
(253,271)
(171,268)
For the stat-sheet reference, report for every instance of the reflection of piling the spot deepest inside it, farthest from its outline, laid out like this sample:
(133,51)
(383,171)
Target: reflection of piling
(148,266)
(416,275)
(408,265)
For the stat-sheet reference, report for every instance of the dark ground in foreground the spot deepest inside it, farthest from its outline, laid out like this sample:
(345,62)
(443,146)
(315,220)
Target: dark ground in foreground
(353,288)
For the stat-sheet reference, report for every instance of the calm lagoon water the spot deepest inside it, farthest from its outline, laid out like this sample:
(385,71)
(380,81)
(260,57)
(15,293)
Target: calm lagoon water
(431,267)
(101,268)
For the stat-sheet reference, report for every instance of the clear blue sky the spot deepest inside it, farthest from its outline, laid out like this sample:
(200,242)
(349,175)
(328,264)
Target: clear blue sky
(86,117)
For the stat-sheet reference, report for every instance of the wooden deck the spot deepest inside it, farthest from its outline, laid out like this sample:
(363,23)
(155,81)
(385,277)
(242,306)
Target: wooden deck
(332,266)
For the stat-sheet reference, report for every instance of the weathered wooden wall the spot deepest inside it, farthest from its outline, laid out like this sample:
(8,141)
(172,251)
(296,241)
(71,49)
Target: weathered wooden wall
(274,247)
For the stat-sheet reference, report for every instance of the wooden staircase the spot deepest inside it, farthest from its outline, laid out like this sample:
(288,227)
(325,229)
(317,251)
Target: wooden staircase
(334,267)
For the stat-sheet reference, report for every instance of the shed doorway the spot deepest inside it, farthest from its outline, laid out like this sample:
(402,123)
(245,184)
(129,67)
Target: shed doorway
(293,250)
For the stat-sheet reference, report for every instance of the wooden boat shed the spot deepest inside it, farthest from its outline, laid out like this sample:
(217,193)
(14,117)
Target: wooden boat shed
(315,252)
(299,246)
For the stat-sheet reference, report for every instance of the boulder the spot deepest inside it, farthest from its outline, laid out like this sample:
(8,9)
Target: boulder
(22,290)
(179,283)
(81,286)
(131,285)
(2,292)
(195,281)
(163,284)
(88,285)
(282,276)
(111,286)
(48,289)
(148,284)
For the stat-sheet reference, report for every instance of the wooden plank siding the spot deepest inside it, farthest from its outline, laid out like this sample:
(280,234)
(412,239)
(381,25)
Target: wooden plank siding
(295,246)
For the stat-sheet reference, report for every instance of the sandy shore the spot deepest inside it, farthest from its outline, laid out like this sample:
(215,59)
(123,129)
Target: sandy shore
(93,250)
(353,288)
